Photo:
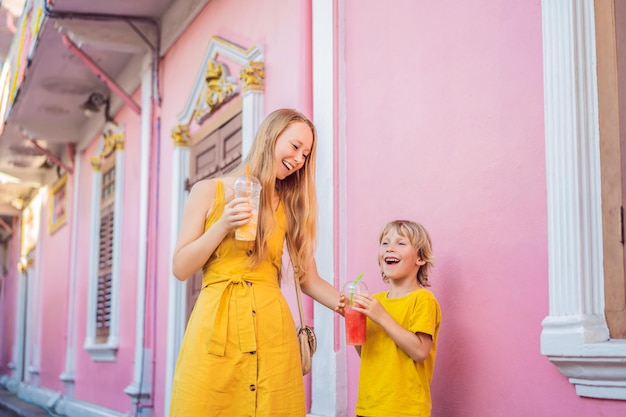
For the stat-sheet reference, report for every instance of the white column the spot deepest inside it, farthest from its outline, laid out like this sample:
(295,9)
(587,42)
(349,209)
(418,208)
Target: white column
(68,376)
(33,334)
(328,376)
(19,346)
(177,291)
(573,179)
(140,386)
(253,113)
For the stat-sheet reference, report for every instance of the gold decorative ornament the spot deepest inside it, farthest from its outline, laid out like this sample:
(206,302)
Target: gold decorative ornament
(252,76)
(181,135)
(24,264)
(113,136)
(96,163)
(219,88)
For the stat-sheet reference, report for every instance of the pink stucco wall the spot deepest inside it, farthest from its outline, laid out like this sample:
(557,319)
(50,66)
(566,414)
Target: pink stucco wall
(445,127)
(53,301)
(112,377)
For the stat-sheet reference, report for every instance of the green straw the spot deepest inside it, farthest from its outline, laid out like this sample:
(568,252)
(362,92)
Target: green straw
(354,285)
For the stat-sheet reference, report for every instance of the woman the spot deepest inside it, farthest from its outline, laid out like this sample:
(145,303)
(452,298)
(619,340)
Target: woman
(240,355)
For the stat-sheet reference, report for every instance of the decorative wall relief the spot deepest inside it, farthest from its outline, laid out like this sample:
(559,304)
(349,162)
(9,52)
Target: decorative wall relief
(218,89)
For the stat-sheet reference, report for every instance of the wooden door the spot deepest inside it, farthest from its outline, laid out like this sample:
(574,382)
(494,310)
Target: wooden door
(212,156)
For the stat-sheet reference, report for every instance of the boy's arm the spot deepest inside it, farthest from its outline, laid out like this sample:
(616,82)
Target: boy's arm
(416,345)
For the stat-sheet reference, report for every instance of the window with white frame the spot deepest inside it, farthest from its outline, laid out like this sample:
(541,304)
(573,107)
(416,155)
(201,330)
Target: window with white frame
(106,245)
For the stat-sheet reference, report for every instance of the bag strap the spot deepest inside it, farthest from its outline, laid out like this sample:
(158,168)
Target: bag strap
(299,297)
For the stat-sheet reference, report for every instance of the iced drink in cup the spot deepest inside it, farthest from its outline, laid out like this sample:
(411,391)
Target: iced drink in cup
(249,187)
(355,321)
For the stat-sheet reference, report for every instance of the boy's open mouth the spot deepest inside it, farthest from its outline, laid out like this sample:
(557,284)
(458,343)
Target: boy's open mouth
(390,260)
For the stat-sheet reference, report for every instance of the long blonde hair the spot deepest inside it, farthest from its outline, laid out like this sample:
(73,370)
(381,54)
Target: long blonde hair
(296,192)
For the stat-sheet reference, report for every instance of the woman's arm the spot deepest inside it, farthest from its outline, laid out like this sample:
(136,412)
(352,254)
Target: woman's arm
(195,245)
(321,291)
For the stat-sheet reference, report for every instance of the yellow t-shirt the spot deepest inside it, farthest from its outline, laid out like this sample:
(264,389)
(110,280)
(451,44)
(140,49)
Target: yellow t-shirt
(390,382)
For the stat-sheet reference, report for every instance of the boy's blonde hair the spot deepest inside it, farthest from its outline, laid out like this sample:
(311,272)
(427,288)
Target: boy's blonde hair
(420,241)
(297,191)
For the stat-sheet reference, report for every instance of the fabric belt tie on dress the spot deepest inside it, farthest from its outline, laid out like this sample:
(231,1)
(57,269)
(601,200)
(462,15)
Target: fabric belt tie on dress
(240,289)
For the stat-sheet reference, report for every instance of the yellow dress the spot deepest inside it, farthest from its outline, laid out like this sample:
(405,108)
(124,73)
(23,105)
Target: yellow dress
(240,354)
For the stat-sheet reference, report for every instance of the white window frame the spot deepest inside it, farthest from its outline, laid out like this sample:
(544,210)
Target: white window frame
(575,335)
(106,352)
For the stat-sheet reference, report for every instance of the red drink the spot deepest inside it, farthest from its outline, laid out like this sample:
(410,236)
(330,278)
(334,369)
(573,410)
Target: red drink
(355,326)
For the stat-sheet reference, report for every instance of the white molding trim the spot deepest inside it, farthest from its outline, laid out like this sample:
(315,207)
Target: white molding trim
(575,336)
(101,352)
(55,404)
(41,397)
(83,409)
(120,180)
(92,292)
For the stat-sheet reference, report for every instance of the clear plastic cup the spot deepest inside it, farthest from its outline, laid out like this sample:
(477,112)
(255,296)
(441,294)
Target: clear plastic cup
(249,187)
(355,321)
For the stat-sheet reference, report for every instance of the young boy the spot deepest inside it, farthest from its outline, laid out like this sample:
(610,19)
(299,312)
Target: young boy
(398,357)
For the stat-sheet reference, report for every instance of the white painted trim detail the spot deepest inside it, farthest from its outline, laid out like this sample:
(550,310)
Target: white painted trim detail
(56,404)
(575,336)
(73,408)
(92,293)
(41,397)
